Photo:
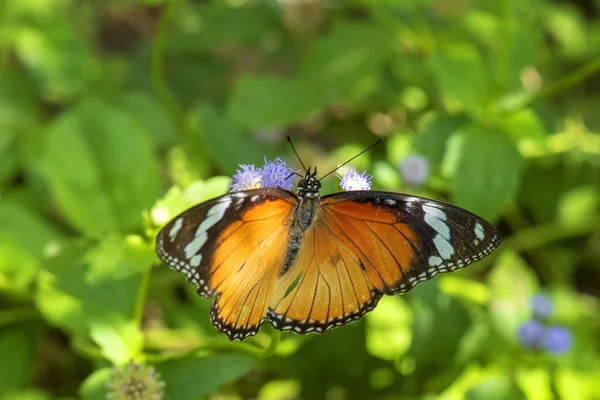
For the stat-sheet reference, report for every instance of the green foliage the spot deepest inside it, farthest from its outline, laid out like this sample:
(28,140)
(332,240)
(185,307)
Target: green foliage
(116,116)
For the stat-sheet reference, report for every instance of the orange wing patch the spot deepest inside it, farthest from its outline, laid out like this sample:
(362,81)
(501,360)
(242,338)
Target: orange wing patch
(244,266)
(326,287)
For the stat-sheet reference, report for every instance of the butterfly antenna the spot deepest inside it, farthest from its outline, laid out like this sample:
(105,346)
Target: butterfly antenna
(359,154)
(289,139)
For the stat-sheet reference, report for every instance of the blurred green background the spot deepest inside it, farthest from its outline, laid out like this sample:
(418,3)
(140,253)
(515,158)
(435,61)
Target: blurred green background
(115,115)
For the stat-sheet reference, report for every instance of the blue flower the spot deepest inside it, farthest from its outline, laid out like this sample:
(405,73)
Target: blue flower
(556,339)
(531,333)
(277,174)
(541,306)
(245,178)
(135,382)
(414,170)
(353,180)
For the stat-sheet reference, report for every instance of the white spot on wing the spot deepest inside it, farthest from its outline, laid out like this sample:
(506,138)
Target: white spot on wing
(443,247)
(479,231)
(435,218)
(195,245)
(196,260)
(435,261)
(436,212)
(175,229)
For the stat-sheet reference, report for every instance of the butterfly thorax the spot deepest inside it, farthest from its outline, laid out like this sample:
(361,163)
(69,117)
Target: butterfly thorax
(308,202)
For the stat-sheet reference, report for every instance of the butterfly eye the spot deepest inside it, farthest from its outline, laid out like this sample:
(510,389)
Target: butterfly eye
(302,183)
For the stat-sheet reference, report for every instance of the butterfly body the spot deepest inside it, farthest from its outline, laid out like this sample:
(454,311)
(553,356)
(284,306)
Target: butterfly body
(308,263)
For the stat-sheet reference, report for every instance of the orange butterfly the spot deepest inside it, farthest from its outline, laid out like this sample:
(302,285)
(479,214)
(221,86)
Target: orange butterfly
(308,263)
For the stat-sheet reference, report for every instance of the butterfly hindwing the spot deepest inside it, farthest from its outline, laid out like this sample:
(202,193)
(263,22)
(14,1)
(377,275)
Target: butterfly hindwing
(325,287)
(232,247)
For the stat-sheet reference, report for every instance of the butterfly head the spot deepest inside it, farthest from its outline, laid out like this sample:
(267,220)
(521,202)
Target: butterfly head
(309,186)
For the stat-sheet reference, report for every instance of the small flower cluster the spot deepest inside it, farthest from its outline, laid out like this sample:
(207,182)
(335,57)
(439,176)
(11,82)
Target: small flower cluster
(353,180)
(276,174)
(135,382)
(273,174)
(535,333)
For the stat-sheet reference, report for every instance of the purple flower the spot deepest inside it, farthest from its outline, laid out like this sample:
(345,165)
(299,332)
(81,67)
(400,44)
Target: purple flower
(353,180)
(414,170)
(247,177)
(277,174)
(531,333)
(541,306)
(556,339)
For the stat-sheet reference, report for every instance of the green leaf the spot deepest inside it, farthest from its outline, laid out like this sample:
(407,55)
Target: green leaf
(101,169)
(228,146)
(488,171)
(146,109)
(58,55)
(17,101)
(118,257)
(260,102)
(337,61)
(512,284)
(26,228)
(435,315)
(431,141)
(193,378)
(23,238)
(89,304)
(460,73)
(17,360)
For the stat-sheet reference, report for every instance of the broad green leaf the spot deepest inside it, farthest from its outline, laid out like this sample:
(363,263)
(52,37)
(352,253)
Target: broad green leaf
(487,173)
(101,169)
(89,304)
(25,227)
(431,140)
(228,146)
(193,378)
(512,284)
(17,360)
(260,102)
(17,102)
(435,315)
(59,56)
(119,257)
(23,239)
(146,109)
(460,73)
(337,61)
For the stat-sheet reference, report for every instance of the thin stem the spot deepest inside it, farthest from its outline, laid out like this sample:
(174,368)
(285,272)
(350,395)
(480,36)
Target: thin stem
(275,338)
(542,235)
(561,85)
(140,301)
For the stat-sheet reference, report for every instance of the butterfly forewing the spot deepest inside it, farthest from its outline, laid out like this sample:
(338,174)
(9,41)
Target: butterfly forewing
(232,247)
(403,240)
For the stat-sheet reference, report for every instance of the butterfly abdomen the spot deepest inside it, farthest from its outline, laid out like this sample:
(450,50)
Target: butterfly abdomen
(305,216)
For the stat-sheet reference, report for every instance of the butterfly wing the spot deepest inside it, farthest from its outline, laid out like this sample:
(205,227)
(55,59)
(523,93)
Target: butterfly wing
(363,244)
(403,240)
(232,247)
